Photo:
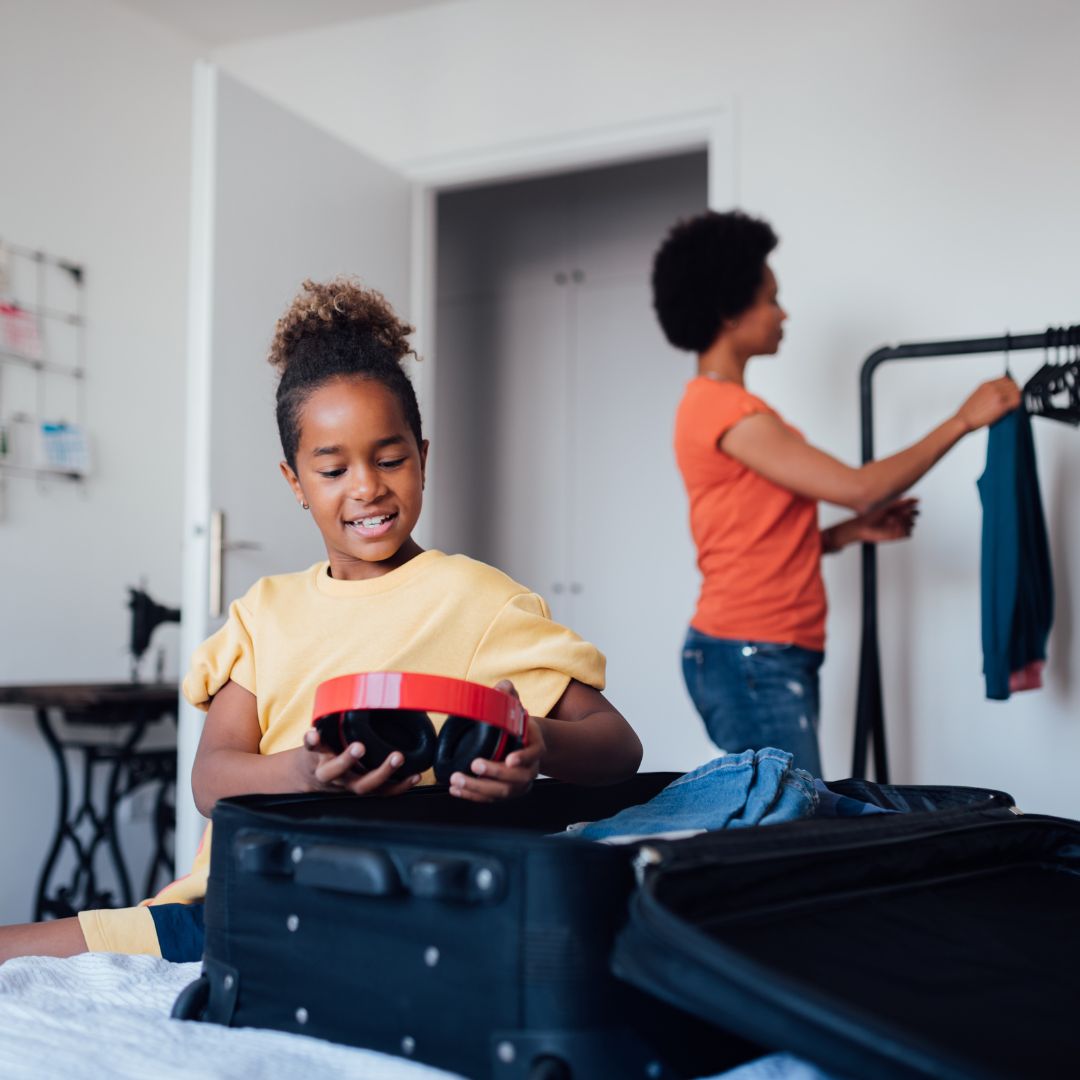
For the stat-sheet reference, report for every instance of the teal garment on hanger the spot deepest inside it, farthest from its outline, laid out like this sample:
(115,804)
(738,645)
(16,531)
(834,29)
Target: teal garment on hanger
(1017,584)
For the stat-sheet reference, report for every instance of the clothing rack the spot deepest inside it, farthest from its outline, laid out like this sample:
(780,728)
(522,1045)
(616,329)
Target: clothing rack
(869,710)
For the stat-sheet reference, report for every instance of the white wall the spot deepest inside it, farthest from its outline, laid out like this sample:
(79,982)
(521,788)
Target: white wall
(95,132)
(916,157)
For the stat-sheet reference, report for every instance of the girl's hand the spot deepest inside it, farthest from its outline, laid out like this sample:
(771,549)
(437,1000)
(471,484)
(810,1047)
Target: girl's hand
(989,403)
(322,770)
(503,779)
(893,521)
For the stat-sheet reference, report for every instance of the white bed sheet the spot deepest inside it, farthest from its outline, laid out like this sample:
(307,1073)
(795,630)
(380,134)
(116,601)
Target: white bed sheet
(100,1015)
(105,1016)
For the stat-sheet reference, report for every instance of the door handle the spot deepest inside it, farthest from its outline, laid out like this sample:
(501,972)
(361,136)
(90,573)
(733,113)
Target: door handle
(218,546)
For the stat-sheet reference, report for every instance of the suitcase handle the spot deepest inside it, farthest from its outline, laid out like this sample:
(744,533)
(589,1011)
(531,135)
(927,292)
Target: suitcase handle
(430,876)
(357,870)
(461,877)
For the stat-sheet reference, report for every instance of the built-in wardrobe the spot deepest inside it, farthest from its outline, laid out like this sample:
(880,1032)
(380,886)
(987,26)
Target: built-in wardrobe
(554,399)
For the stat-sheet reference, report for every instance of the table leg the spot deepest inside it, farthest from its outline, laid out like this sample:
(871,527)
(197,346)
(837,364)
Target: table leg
(164,825)
(124,775)
(40,901)
(108,829)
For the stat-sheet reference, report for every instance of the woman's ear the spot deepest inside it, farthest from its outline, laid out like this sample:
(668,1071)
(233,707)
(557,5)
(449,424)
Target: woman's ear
(294,483)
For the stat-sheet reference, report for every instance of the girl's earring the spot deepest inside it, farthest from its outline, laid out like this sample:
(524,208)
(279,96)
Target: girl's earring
(304,506)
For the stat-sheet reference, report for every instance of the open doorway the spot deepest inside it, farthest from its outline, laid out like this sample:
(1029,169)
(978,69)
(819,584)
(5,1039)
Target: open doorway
(554,395)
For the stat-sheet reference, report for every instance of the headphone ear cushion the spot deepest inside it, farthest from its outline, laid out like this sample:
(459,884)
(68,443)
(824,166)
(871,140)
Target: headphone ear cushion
(462,740)
(382,731)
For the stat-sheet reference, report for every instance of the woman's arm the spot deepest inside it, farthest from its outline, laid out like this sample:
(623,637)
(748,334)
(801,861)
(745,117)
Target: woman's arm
(764,444)
(584,739)
(228,761)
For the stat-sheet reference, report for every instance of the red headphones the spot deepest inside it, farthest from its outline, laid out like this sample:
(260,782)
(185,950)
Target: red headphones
(388,711)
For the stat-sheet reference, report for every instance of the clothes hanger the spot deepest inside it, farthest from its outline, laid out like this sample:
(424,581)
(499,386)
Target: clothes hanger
(1050,337)
(1054,390)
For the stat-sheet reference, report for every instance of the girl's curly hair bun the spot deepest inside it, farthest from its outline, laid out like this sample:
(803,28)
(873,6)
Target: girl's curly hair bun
(338,330)
(343,304)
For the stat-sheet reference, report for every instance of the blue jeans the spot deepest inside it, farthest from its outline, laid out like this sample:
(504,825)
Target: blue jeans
(755,787)
(774,1067)
(753,694)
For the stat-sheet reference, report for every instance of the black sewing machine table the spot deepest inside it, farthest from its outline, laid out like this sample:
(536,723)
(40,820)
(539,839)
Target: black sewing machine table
(104,725)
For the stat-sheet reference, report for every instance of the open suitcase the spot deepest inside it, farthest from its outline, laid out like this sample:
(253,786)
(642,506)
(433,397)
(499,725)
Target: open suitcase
(941,942)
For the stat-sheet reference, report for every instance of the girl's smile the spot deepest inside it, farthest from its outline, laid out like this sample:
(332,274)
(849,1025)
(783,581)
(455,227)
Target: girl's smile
(360,472)
(374,525)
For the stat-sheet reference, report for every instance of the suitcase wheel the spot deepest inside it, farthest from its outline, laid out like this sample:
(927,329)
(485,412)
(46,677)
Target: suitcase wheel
(191,1002)
(549,1068)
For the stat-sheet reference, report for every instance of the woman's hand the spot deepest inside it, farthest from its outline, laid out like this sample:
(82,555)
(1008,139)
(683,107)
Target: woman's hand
(319,769)
(492,780)
(893,521)
(989,403)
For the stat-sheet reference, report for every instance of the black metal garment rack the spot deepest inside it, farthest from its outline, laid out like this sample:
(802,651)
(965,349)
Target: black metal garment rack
(869,711)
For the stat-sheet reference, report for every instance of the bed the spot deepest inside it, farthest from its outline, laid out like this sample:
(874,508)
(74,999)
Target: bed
(102,1015)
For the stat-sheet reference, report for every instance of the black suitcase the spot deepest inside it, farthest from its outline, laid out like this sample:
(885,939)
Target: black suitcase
(941,945)
(462,936)
(450,932)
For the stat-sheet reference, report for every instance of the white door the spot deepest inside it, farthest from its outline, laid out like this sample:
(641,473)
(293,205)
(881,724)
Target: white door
(274,201)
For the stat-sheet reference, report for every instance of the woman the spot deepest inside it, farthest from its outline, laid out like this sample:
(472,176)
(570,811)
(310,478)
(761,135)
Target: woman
(757,638)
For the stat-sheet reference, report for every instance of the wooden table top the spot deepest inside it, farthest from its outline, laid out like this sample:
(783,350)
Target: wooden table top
(89,695)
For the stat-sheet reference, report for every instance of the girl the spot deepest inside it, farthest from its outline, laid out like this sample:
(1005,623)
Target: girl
(355,459)
(756,640)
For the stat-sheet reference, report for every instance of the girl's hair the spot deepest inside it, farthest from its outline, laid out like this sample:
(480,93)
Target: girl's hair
(708,269)
(333,330)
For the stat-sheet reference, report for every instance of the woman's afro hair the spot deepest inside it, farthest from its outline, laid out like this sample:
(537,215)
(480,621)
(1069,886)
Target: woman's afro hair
(338,329)
(708,269)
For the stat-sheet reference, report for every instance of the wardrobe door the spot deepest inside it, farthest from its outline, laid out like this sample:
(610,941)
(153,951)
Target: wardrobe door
(500,454)
(633,564)
(555,399)
(529,450)
(633,575)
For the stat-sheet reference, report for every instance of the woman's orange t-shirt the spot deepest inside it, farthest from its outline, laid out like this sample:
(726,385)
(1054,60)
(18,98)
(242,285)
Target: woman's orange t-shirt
(759,545)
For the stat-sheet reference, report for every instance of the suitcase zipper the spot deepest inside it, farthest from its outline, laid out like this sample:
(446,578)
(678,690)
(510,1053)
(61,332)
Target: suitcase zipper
(651,855)
(695,851)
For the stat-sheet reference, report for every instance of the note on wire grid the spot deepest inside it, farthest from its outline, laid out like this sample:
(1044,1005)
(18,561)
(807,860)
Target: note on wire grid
(19,332)
(63,448)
